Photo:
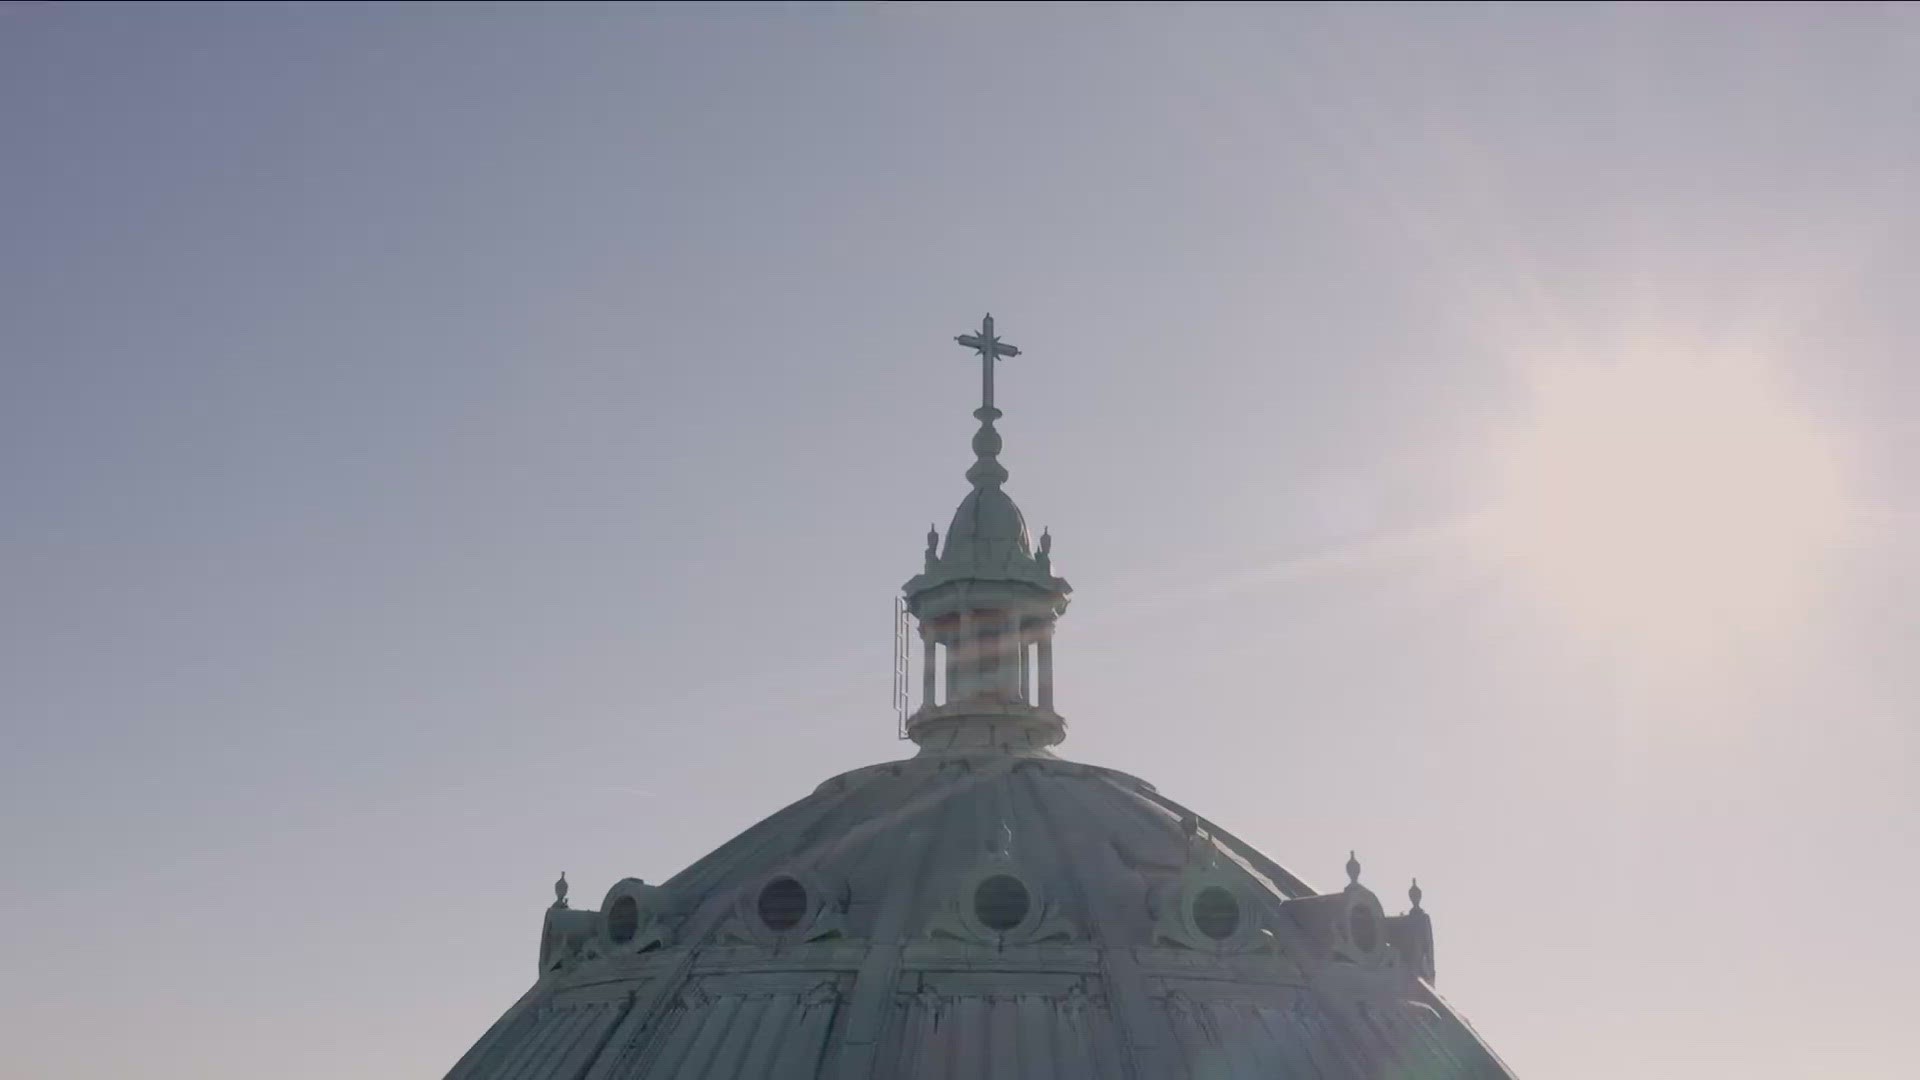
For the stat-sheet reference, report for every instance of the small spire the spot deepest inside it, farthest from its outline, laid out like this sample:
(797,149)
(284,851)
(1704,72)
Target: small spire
(1413,893)
(987,472)
(560,891)
(1353,870)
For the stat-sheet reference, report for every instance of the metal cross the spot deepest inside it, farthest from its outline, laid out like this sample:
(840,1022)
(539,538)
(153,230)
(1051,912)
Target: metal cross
(990,349)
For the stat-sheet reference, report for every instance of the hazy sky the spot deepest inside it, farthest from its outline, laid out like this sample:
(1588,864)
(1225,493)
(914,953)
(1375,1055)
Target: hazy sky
(442,447)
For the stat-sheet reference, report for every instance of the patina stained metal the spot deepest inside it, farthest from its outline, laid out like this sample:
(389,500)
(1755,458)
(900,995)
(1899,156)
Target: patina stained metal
(985,908)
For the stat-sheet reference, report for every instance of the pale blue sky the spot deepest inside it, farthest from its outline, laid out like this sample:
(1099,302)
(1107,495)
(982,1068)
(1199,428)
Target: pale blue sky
(442,447)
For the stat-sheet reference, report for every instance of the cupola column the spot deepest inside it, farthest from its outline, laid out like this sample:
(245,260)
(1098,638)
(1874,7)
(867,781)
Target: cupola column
(1003,657)
(1045,650)
(1025,638)
(929,657)
(971,681)
(956,659)
(986,666)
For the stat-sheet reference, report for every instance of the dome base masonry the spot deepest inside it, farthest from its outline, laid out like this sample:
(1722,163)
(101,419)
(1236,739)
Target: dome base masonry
(985,908)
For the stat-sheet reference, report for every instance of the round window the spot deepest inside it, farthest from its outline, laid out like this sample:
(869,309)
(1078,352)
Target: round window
(783,903)
(1364,928)
(1216,912)
(1001,902)
(623,920)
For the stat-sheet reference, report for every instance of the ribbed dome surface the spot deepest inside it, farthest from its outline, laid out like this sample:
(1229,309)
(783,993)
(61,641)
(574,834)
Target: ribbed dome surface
(984,910)
(987,516)
(985,914)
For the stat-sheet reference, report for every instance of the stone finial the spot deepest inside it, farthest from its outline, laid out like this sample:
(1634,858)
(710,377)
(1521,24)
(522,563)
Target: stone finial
(560,891)
(1413,893)
(986,470)
(1200,849)
(1353,870)
(933,546)
(1045,555)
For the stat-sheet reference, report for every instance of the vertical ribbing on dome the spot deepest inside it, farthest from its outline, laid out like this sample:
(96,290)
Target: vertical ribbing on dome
(986,470)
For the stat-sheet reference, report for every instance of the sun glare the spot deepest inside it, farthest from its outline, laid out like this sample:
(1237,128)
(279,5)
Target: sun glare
(1669,501)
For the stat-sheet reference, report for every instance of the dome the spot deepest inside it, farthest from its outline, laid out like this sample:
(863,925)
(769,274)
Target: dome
(987,518)
(988,914)
(984,909)
(987,528)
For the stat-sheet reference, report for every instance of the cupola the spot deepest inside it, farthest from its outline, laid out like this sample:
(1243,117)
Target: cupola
(986,602)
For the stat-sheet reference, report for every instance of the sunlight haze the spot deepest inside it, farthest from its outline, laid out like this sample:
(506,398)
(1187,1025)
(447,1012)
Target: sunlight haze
(443,446)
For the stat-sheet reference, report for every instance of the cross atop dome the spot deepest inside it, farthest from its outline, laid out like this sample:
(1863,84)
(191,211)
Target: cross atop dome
(990,348)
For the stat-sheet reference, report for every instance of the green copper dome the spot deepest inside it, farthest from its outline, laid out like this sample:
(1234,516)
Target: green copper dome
(983,910)
(982,915)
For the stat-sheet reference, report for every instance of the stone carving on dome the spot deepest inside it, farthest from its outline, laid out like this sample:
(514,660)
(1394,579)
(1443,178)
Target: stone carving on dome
(694,995)
(635,918)
(567,937)
(1411,936)
(824,992)
(995,903)
(1177,1004)
(1344,927)
(1209,909)
(791,907)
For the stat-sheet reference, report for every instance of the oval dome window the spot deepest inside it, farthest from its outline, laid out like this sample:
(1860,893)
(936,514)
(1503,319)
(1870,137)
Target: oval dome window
(1001,902)
(783,903)
(1216,912)
(623,920)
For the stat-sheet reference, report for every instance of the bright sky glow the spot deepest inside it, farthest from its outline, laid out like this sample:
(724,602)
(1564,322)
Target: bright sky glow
(1668,500)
